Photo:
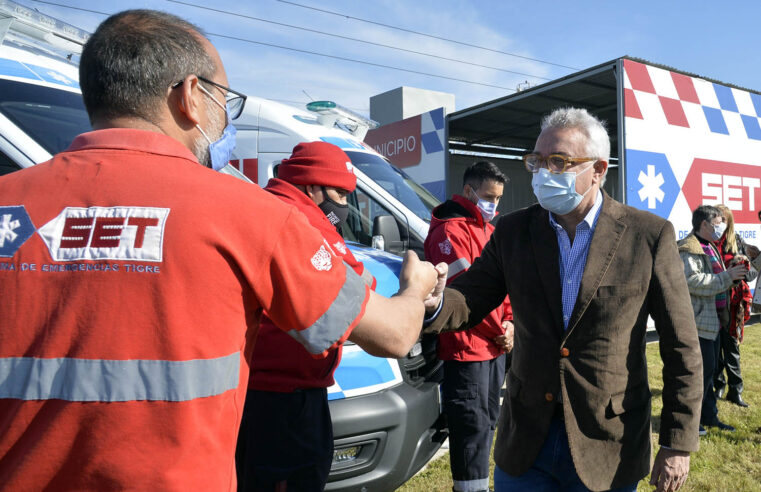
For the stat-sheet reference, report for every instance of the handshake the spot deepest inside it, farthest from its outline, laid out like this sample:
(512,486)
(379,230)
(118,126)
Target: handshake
(423,280)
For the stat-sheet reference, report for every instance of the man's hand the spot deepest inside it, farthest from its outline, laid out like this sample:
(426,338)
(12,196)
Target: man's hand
(417,278)
(506,341)
(670,470)
(434,298)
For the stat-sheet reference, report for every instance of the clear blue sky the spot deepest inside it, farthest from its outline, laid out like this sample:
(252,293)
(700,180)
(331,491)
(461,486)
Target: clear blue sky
(720,40)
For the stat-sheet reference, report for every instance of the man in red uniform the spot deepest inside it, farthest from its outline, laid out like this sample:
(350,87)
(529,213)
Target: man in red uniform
(131,295)
(474,360)
(286,436)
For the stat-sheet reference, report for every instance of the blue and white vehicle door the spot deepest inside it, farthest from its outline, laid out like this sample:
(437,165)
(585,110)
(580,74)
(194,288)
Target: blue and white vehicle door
(360,373)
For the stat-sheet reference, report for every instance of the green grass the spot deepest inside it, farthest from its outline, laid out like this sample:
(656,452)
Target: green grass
(725,462)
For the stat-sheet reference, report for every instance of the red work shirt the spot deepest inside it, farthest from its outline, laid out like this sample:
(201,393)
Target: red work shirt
(456,236)
(132,282)
(280,363)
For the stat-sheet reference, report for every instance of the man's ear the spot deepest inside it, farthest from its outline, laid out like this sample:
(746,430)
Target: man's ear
(189,99)
(600,167)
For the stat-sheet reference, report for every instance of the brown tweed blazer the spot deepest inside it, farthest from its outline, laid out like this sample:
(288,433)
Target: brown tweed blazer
(596,368)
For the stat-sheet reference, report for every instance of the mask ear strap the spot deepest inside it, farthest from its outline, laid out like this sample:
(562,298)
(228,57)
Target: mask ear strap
(203,133)
(582,172)
(478,198)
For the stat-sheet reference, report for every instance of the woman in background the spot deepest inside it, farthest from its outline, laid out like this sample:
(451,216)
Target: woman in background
(733,250)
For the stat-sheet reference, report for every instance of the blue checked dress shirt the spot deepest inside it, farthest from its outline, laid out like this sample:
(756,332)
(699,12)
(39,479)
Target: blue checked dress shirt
(573,257)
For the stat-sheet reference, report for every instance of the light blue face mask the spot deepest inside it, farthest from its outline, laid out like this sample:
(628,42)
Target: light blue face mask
(718,231)
(220,150)
(557,192)
(488,209)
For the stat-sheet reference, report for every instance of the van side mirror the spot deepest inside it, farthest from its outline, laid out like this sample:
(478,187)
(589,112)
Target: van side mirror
(386,235)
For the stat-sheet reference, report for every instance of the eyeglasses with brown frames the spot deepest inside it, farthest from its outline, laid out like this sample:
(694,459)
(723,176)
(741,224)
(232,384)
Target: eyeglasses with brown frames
(556,163)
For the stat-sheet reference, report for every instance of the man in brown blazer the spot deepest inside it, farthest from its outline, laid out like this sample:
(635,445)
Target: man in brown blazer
(583,272)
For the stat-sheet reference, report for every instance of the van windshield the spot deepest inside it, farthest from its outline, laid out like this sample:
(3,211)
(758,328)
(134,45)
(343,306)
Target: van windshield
(51,117)
(396,182)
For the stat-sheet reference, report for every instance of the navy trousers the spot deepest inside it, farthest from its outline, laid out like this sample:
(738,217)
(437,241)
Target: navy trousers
(471,393)
(553,470)
(285,442)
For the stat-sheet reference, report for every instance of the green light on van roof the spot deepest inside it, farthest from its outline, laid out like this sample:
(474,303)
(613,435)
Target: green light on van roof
(318,106)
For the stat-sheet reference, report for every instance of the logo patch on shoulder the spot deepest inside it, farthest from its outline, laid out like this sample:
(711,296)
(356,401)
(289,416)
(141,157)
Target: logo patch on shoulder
(106,233)
(322,260)
(446,247)
(15,228)
(340,247)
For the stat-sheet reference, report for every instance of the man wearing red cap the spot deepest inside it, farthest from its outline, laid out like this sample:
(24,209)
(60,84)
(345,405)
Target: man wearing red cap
(286,436)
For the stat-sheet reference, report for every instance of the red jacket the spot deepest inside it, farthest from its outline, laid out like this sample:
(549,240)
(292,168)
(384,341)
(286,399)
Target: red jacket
(131,298)
(280,363)
(456,236)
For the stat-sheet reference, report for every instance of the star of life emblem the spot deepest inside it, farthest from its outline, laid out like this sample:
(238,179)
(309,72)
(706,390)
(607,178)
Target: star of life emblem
(321,260)
(341,248)
(446,247)
(7,229)
(651,186)
(15,228)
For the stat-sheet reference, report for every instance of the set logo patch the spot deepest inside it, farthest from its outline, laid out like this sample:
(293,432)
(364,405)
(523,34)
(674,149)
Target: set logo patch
(106,233)
(322,260)
(15,228)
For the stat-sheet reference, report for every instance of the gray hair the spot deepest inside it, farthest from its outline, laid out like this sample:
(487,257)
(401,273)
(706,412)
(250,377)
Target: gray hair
(598,141)
(133,58)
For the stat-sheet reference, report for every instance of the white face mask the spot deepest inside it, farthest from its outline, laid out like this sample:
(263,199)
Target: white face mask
(718,231)
(557,192)
(488,209)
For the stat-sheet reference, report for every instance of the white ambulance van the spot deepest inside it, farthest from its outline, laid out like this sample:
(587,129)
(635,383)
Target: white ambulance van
(389,210)
(386,412)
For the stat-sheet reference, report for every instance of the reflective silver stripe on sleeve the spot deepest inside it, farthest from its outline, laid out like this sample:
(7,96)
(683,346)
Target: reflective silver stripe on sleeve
(336,320)
(457,266)
(31,378)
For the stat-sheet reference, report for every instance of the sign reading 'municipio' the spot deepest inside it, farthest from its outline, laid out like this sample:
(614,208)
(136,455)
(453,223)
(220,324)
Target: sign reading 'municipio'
(417,145)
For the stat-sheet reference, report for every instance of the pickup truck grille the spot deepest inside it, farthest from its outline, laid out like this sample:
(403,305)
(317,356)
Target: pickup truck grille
(422,364)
